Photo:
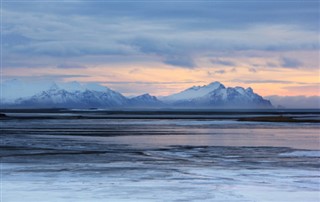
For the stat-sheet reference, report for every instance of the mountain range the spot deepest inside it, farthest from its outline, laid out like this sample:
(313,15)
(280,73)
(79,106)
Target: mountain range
(76,95)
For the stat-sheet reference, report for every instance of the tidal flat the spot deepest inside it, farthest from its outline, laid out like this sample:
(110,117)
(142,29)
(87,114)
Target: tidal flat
(180,158)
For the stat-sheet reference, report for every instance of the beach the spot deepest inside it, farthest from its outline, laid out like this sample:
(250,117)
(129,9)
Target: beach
(75,156)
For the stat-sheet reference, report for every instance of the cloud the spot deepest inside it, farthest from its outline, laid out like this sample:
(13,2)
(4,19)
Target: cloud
(70,66)
(220,72)
(196,14)
(134,71)
(169,50)
(267,81)
(253,70)
(50,77)
(270,64)
(179,37)
(290,63)
(140,87)
(61,36)
(177,60)
(315,88)
(233,70)
(151,83)
(223,62)
(295,101)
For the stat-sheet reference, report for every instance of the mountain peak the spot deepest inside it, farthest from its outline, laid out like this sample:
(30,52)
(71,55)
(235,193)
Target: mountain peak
(145,95)
(249,90)
(195,92)
(215,83)
(216,94)
(54,87)
(145,100)
(74,94)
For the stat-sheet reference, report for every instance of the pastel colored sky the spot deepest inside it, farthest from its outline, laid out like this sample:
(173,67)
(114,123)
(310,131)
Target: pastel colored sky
(162,47)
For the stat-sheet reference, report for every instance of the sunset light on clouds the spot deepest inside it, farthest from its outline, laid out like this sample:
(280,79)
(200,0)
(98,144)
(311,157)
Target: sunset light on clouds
(165,47)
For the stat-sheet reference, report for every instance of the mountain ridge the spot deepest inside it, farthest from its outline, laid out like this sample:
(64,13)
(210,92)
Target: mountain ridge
(76,95)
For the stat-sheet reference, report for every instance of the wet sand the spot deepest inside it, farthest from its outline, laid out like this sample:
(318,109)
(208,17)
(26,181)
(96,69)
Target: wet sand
(159,160)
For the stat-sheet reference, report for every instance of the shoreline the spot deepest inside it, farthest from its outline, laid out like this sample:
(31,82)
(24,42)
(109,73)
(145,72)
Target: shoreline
(241,118)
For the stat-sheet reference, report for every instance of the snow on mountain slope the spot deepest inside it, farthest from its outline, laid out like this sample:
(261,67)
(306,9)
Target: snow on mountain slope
(193,92)
(76,95)
(217,95)
(14,89)
(58,97)
(235,97)
(145,100)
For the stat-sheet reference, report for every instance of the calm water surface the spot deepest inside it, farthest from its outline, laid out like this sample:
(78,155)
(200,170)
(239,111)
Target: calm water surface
(159,160)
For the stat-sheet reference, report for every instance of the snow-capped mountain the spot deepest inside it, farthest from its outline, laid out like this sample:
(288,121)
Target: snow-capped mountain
(193,92)
(83,97)
(217,95)
(145,100)
(93,95)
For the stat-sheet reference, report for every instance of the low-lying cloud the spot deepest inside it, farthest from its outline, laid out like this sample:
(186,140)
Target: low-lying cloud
(295,101)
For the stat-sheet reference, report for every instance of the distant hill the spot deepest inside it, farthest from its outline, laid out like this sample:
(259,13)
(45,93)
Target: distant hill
(217,95)
(76,95)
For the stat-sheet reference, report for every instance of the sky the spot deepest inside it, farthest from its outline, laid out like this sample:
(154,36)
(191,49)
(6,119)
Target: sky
(162,47)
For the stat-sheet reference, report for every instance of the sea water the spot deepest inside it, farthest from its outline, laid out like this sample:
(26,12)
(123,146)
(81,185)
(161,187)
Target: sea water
(112,159)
